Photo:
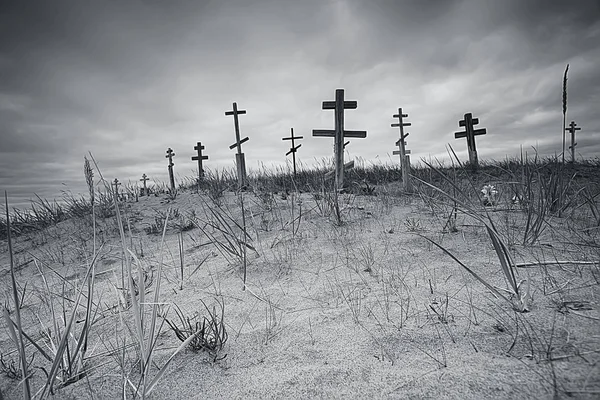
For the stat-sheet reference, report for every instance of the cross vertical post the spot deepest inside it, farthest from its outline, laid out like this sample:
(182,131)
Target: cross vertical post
(294,148)
(239,157)
(401,143)
(338,105)
(144,179)
(199,147)
(468,122)
(170,155)
(571,129)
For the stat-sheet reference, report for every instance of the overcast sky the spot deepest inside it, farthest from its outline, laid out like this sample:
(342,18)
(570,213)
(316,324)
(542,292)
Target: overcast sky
(128,79)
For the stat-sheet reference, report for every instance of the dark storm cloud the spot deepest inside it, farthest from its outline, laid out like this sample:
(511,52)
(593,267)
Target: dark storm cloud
(126,80)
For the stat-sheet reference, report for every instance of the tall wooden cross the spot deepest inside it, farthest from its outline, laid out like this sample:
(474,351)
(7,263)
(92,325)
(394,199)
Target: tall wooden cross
(239,157)
(293,149)
(468,122)
(401,143)
(338,133)
(571,129)
(170,155)
(144,179)
(199,147)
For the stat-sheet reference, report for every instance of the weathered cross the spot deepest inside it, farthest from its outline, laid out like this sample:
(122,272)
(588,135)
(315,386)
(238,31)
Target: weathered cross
(239,157)
(294,148)
(402,152)
(116,185)
(199,147)
(468,122)
(571,129)
(144,179)
(339,105)
(170,155)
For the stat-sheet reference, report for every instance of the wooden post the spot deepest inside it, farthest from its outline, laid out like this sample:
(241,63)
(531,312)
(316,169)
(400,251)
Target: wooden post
(239,157)
(468,122)
(116,185)
(571,129)
(401,143)
(293,149)
(199,147)
(339,105)
(144,179)
(170,155)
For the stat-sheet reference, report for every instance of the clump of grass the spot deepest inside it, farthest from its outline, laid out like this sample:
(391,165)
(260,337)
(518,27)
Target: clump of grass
(202,333)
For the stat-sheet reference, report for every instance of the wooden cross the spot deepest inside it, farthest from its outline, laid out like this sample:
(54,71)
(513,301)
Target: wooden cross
(199,147)
(294,148)
(468,122)
(339,105)
(402,152)
(116,185)
(571,129)
(239,157)
(144,179)
(170,155)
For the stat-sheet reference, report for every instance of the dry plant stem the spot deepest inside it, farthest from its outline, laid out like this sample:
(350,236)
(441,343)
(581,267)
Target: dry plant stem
(17,339)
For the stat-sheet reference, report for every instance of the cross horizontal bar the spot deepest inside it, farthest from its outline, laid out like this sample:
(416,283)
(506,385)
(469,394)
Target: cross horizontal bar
(458,135)
(355,134)
(481,131)
(404,124)
(323,132)
(241,141)
(397,152)
(398,142)
(233,112)
(398,115)
(463,123)
(295,137)
(196,148)
(348,105)
(195,158)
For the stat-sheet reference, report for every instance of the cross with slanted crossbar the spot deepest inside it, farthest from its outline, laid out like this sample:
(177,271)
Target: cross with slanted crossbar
(571,129)
(339,105)
(294,148)
(402,152)
(239,157)
(116,185)
(170,155)
(468,122)
(144,179)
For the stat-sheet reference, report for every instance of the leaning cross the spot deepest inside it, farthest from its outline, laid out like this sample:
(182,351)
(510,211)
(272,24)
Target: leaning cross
(468,122)
(199,147)
(294,148)
(144,179)
(339,105)
(239,157)
(571,129)
(402,152)
(170,155)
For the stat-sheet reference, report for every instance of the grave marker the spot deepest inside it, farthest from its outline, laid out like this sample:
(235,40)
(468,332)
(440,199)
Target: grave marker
(170,155)
(116,185)
(144,179)
(199,147)
(402,152)
(338,133)
(294,148)
(468,122)
(571,129)
(239,157)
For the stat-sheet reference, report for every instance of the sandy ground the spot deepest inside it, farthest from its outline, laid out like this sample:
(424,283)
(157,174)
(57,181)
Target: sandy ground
(363,309)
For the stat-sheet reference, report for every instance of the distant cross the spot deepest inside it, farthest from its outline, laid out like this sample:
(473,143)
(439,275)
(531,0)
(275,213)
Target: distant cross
(170,155)
(468,122)
(339,105)
(199,147)
(402,152)
(144,179)
(239,157)
(294,148)
(116,185)
(571,129)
